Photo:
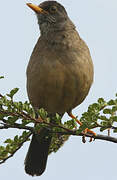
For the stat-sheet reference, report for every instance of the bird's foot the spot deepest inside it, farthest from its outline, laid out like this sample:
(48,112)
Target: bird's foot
(89,131)
(85,131)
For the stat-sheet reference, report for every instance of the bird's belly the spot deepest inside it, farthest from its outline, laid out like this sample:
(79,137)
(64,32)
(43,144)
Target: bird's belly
(57,88)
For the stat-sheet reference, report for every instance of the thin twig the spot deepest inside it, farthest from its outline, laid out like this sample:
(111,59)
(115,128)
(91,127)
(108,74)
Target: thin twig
(17,126)
(27,117)
(20,145)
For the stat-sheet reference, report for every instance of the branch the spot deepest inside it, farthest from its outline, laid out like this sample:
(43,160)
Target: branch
(96,111)
(106,138)
(66,131)
(28,117)
(98,136)
(19,146)
(17,126)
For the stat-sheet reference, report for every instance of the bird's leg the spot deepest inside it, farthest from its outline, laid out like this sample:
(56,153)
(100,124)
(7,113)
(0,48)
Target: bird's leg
(80,123)
(73,117)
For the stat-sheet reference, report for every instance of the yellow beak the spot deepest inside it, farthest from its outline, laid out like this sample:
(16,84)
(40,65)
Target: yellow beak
(37,9)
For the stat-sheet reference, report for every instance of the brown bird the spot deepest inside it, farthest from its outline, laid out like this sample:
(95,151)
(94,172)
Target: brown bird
(59,75)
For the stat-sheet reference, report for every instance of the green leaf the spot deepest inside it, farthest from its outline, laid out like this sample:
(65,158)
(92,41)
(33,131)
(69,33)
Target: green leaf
(57,116)
(12,119)
(94,107)
(5,154)
(114,109)
(13,92)
(70,124)
(42,113)
(16,139)
(114,118)
(1,77)
(25,134)
(2,116)
(111,102)
(26,121)
(2,148)
(101,101)
(8,141)
(8,148)
(82,127)
(103,118)
(107,111)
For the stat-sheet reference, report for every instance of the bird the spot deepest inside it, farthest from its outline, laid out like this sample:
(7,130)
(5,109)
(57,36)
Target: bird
(59,75)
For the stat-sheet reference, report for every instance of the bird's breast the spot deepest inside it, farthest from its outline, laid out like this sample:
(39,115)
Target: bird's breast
(58,80)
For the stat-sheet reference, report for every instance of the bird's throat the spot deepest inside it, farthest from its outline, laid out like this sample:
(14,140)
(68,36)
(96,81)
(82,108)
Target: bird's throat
(47,28)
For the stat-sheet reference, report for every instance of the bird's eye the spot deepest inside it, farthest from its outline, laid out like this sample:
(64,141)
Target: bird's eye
(53,9)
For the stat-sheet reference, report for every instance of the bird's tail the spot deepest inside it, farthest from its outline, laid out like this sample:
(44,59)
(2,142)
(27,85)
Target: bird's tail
(36,159)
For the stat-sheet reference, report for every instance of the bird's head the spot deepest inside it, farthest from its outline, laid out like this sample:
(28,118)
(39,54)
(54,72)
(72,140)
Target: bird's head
(51,16)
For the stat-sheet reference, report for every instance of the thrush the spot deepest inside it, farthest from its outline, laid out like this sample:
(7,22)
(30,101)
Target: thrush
(59,75)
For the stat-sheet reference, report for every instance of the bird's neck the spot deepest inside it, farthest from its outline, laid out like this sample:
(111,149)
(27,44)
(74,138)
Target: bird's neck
(65,39)
(47,29)
(61,34)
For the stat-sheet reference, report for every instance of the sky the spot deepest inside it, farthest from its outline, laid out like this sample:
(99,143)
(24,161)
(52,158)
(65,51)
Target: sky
(96,22)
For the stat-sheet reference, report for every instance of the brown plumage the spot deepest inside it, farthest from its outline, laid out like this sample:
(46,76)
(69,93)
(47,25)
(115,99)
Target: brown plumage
(59,74)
